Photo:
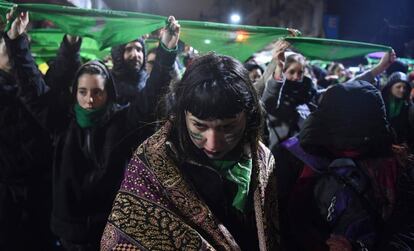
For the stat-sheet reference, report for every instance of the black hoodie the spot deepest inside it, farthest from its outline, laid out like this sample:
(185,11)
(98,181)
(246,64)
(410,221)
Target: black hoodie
(401,125)
(25,147)
(129,81)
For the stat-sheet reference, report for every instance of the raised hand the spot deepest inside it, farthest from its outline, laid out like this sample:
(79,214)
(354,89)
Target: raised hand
(19,24)
(279,51)
(387,59)
(171,34)
(72,39)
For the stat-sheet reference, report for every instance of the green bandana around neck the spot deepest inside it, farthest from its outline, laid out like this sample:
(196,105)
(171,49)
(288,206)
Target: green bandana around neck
(394,107)
(238,173)
(88,117)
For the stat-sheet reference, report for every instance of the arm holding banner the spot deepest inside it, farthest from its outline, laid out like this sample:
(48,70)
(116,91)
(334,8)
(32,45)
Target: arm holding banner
(31,81)
(34,92)
(274,68)
(144,107)
(63,68)
(384,63)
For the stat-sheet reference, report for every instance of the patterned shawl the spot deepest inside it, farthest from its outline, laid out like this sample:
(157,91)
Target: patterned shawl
(156,209)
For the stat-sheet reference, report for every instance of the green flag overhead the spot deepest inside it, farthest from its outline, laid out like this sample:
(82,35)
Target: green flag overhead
(111,28)
(107,27)
(330,49)
(45,44)
(239,41)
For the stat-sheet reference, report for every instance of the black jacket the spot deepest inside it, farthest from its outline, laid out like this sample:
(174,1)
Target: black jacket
(25,147)
(401,123)
(89,163)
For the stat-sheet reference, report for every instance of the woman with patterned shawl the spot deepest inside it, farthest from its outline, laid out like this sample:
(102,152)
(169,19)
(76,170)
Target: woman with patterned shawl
(204,181)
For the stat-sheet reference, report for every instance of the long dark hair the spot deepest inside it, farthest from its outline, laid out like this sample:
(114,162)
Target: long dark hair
(213,87)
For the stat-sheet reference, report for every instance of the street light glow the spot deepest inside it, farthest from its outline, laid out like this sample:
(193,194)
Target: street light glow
(235,18)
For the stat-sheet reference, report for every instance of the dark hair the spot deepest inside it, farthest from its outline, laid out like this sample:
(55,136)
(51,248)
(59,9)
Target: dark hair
(397,66)
(333,67)
(250,66)
(214,87)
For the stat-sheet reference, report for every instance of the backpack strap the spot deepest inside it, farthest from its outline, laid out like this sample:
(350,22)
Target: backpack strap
(316,163)
(346,171)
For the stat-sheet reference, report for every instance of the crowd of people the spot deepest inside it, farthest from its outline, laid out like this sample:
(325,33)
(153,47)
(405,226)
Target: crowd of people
(225,156)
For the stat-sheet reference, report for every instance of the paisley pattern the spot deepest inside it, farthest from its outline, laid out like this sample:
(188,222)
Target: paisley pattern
(156,209)
(152,226)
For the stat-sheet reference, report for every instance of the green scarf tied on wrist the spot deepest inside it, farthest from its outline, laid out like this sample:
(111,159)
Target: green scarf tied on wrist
(394,107)
(88,117)
(238,173)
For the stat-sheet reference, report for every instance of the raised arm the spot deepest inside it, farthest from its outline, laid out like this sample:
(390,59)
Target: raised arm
(63,68)
(33,91)
(274,68)
(31,82)
(159,80)
(383,64)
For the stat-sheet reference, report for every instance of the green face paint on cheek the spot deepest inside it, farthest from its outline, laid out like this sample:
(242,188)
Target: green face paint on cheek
(195,136)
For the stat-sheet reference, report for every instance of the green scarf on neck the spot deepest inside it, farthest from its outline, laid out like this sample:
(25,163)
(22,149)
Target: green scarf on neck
(394,107)
(238,173)
(88,117)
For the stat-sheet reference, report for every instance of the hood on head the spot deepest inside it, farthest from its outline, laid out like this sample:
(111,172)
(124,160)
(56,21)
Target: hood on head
(351,116)
(117,54)
(392,80)
(109,84)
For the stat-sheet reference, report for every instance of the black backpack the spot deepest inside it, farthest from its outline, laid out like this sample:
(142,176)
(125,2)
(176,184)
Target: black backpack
(344,197)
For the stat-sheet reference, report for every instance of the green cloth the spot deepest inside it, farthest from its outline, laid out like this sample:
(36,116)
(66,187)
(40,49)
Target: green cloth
(394,107)
(238,41)
(238,173)
(88,117)
(44,45)
(331,49)
(107,27)
(111,28)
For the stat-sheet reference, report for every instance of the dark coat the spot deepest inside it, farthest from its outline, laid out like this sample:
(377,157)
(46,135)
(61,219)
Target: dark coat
(89,163)
(129,81)
(25,162)
(25,146)
(404,130)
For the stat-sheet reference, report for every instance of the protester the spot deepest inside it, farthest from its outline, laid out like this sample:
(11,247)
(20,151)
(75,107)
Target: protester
(396,95)
(25,162)
(255,70)
(204,181)
(287,100)
(94,136)
(355,190)
(129,68)
(336,73)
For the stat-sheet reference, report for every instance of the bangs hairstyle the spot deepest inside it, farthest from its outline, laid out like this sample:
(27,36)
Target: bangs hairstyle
(215,87)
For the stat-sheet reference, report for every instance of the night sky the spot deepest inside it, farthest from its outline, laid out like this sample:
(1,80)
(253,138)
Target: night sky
(388,22)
